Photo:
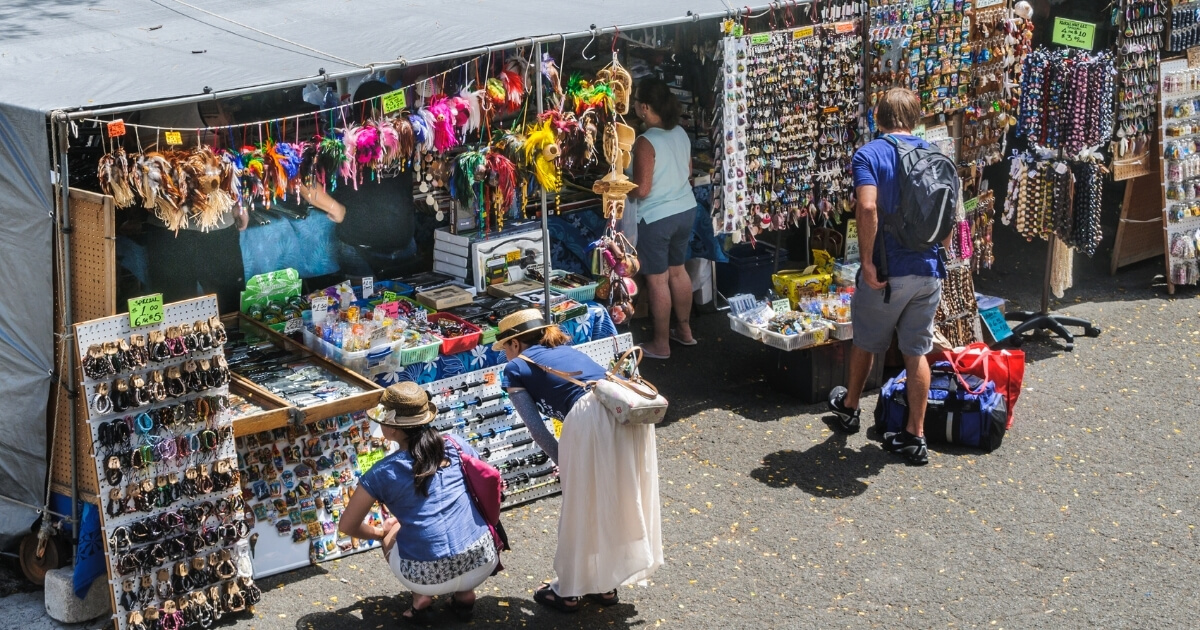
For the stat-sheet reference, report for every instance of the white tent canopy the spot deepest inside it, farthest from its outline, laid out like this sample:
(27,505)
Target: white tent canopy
(128,54)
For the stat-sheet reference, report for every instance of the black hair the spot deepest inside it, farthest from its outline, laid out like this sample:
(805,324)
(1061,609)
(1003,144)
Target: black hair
(656,94)
(428,449)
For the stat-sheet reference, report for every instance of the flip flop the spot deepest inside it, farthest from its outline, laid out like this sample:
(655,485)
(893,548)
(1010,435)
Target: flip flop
(679,340)
(652,355)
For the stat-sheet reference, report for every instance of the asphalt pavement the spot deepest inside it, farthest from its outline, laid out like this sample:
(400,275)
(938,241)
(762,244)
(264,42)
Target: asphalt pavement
(1085,517)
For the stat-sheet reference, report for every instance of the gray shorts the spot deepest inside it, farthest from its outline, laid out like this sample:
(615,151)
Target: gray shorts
(664,243)
(910,314)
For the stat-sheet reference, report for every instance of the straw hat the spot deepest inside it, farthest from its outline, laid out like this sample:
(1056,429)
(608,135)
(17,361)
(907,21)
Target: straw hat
(404,405)
(518,324)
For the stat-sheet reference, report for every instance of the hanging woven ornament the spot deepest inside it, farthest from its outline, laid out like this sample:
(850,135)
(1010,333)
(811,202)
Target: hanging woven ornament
(621,83)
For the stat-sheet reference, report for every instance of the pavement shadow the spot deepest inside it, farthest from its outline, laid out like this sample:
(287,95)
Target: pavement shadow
(372,613)
(828,470)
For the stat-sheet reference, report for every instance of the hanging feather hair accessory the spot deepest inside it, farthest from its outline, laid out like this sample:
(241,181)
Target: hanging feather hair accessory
(330,155)
(114,180)
(497,93)
(428,135)
(550,73)
(368,148)
(406,141)
(389,142)
(502,180)
(541,153)
(473,103)
(349,167)
(514,83)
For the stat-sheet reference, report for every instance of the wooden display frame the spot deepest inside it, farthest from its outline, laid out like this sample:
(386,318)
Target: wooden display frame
(308,415)
(275,415)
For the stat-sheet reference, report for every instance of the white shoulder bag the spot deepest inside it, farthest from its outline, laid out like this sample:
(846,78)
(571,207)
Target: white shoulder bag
(630,398)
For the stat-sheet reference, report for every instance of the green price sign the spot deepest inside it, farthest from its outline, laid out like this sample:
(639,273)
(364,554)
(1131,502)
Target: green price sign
(781,306)
(367,460)
(389,296)
(393,101)
(760,39)
(1074,33)
(146,310)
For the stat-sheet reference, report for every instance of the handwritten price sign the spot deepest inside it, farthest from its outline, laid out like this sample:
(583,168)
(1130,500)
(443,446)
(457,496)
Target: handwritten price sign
(393,101)
(146,310)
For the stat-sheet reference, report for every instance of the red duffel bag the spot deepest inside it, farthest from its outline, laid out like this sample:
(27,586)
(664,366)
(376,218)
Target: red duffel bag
(1005,368)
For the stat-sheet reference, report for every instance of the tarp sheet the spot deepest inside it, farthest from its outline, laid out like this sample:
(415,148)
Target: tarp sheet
(69,54)
(26,327)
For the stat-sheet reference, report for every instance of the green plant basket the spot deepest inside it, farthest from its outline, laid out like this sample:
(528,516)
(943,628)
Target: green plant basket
(420,354)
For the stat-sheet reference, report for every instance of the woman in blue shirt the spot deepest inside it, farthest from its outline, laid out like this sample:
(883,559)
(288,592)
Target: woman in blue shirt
(609,528)
(435,541)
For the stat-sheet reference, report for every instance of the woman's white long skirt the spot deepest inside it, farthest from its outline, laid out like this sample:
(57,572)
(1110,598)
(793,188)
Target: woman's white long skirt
(609,530)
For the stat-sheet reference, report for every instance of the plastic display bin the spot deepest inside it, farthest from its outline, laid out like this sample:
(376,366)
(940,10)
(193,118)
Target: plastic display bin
(810,374)
(749,269)
(462,343)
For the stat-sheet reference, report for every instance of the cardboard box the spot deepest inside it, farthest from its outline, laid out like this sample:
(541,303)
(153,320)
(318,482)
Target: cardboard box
(511,289)
(795,285)
(444,297)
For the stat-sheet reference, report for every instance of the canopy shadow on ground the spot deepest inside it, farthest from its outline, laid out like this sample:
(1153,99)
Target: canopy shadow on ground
(372,613)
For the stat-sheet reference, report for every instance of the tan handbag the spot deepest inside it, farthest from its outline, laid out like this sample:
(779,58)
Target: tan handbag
(630,398)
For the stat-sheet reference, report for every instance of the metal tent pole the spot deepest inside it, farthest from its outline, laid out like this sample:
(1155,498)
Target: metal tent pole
(541,104)
(68,339)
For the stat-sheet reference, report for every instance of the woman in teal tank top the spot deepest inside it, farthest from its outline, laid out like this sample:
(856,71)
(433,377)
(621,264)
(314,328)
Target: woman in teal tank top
(662,169)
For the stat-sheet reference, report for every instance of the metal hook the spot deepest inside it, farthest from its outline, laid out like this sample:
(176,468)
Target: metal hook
(592,28)
(616,36)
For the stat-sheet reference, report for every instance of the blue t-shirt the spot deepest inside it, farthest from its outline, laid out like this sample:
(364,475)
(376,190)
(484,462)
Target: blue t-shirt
(875,165)
(555,396)
(432,527)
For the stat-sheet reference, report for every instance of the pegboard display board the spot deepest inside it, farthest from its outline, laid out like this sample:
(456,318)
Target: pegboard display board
(475,410)
(1179,131)
(172,506)
(296,480)
(93,273)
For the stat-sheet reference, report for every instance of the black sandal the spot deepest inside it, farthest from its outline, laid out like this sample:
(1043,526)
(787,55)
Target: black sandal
(604,599)
(462,612)
(548,598)
(418,616)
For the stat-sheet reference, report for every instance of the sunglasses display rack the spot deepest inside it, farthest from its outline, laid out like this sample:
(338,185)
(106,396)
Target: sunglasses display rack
(791,117)
(1181,171)
(297,479)
(474,409)
(172,518)
(1139,25)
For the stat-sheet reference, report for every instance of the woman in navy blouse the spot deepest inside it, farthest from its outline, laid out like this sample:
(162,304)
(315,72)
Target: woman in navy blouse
(435,540)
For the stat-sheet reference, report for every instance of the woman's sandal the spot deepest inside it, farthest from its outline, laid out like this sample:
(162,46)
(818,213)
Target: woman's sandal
(604,599)
(418,616)
(462,612)
(548,598)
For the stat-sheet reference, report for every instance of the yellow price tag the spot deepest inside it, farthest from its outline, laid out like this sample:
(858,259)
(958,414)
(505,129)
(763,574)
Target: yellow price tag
(513,256)
(173,138)
(802,33)
(393,101)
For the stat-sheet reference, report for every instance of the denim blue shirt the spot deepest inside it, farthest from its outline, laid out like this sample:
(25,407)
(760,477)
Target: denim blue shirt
(440,525)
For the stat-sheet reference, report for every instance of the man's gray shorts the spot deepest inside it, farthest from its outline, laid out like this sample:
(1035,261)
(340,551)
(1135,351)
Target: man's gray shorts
(910,313)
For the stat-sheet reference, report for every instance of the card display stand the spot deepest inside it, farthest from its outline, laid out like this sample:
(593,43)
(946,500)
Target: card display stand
(169,450)
(1181,170)
(296,480)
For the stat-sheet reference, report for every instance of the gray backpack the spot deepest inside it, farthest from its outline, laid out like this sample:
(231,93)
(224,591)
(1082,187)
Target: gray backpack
(929,188)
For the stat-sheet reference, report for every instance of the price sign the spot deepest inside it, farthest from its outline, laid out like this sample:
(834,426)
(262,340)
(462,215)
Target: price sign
(393,101)
(173,138)
(389,296)
(513,256)
(368,286)
(367,460)
(320,309)
(971,205)
(996,324)
(146,310)
(1074,33)
(781,306)
(760,39)
(378,337)
(391,308)
(802,33)
(293,325)
(116,128)
(843,27)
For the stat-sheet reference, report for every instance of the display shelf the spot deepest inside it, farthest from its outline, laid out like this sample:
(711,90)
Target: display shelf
(275,414)
(367,398)
(1185,268)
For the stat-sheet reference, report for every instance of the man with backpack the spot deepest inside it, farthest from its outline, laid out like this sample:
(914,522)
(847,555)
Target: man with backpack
(907,194)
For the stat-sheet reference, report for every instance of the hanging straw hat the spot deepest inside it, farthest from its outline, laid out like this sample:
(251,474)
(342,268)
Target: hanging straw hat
(404,405)
(518,324)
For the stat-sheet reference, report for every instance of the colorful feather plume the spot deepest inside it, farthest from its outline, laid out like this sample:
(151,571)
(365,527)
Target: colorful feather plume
(349,167)
(514,90)
(441,118)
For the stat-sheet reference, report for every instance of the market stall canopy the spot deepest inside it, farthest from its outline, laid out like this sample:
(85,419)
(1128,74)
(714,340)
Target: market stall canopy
(73,54)
(64,54)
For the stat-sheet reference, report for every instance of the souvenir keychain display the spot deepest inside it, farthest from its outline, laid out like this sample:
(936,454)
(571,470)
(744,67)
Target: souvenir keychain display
(1185,25)
(1181,162)
(1066,99)
(1039,192)
(890,38)
(994,43)
(792,117)
(1139,26)
(174,519)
